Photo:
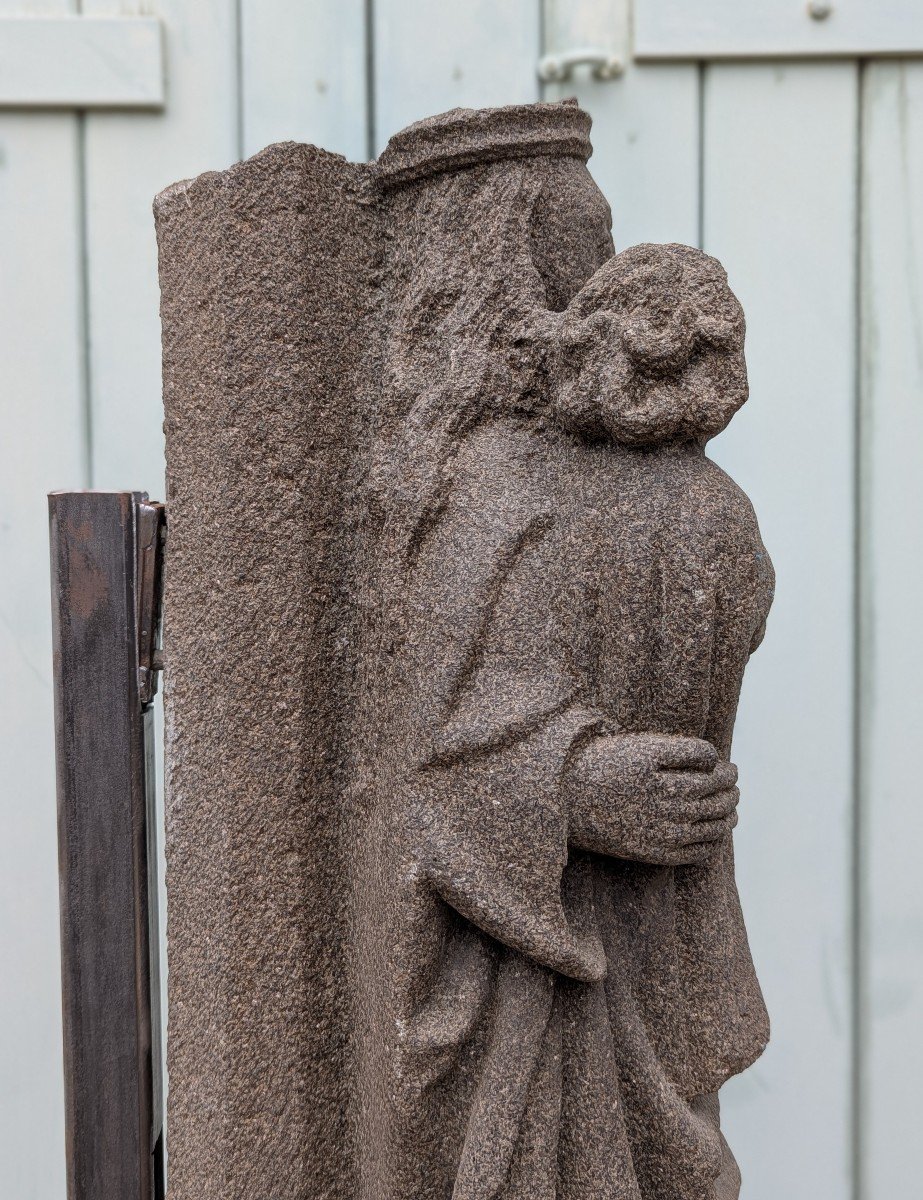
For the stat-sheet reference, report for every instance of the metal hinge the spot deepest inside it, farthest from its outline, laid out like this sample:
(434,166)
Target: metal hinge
(558,68)
(150,544)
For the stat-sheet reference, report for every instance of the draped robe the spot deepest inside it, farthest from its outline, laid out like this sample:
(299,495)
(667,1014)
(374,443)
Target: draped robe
(539,1020)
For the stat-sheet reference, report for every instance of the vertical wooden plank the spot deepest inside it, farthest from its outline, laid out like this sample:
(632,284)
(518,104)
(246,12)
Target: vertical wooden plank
(41,351)
(891,641)
(432,57)
(779,211)
(304,74)
(129,158)
(102,845)
(645,125)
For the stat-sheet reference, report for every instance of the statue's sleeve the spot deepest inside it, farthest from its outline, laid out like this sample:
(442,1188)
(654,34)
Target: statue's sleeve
(496,705)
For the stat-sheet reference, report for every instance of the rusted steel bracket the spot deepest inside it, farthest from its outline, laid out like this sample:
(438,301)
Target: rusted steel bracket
(106,565)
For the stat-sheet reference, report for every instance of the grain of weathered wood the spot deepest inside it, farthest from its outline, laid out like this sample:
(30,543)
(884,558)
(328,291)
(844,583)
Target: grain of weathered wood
(102,841)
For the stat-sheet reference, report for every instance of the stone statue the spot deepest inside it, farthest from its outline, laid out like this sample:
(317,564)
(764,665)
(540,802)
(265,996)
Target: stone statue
(458,920)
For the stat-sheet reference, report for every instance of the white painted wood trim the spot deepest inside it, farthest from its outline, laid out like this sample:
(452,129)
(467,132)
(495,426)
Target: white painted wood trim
(723,29)
(81,62)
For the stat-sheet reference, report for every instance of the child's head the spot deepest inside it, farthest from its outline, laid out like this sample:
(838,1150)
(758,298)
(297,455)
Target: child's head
(651,349)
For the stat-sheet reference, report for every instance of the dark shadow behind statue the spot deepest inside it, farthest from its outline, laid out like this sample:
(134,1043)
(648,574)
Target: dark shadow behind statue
(500,634)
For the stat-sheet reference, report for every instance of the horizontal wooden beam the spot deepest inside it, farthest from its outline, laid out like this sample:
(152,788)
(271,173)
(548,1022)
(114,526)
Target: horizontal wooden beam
(81,62)
(732,29)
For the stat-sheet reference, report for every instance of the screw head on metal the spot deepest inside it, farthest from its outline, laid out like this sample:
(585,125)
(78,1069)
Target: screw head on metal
(819,10)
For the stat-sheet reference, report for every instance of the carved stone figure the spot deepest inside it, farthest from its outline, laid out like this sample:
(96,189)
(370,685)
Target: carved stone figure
(458,613)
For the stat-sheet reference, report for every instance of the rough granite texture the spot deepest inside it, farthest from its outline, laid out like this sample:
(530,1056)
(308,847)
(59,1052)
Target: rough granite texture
(457,616)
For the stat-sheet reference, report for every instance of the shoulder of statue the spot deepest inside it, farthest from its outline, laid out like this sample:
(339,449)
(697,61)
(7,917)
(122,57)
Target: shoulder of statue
(723,492)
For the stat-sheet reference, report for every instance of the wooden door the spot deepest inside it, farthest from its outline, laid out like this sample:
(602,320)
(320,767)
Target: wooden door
(789,145)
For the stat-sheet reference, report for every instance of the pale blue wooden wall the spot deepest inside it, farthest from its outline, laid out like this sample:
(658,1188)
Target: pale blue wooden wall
(806,178)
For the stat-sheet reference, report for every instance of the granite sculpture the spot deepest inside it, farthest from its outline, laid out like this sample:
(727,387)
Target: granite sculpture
(457,616)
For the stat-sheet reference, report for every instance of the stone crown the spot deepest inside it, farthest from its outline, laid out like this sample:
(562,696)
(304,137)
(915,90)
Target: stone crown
(463,137)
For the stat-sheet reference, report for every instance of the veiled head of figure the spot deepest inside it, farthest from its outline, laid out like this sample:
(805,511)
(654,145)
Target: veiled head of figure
(651,349)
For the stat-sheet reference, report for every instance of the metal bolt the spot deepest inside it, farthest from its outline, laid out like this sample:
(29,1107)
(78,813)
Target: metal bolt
(819,10)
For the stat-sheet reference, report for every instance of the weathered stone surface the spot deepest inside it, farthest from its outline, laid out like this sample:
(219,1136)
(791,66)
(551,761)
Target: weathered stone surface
(458,613)
(261,387)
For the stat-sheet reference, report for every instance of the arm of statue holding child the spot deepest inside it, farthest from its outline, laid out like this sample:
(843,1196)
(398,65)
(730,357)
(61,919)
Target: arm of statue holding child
(654,798)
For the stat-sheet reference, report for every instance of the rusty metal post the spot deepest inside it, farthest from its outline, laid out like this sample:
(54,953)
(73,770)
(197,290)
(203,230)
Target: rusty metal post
(105,569)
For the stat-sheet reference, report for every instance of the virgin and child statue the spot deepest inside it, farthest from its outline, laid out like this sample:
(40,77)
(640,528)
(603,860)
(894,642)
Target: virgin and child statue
(565,594)
(541,978)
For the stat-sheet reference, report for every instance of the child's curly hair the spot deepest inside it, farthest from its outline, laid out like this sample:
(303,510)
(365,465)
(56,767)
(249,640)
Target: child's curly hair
(651,349)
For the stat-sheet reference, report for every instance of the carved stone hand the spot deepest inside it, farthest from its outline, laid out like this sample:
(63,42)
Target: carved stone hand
(655,798)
